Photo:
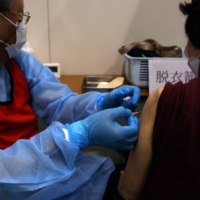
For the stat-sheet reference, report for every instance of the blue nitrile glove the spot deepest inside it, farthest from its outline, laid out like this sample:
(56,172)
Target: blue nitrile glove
(116,98)
(102,129)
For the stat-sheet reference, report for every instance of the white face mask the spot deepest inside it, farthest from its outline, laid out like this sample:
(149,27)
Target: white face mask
(193,63)
(21,34)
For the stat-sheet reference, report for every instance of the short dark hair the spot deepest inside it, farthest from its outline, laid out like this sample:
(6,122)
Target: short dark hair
(5,5)
(192,24)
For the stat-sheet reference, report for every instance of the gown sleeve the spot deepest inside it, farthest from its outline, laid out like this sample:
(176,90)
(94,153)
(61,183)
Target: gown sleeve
(49,167)
(51,100)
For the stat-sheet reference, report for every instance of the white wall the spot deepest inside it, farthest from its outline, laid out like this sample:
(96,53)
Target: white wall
(38,28)
(84,35)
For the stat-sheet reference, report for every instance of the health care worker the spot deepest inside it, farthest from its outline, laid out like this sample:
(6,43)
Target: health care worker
(50,165)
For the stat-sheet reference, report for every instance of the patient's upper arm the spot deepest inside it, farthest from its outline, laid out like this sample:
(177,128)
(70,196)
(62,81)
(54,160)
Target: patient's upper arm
(133,178)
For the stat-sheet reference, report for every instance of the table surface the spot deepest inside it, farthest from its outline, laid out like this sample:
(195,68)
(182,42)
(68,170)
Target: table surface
(75,84)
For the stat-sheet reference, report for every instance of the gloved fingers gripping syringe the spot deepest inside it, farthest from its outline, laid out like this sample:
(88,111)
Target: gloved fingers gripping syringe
(133,113)
(90,131)
(126,96)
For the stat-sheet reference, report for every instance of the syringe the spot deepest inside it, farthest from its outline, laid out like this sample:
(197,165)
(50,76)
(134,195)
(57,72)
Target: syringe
(135,113)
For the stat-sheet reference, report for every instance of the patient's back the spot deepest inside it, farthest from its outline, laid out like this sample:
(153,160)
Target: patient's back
(175,169)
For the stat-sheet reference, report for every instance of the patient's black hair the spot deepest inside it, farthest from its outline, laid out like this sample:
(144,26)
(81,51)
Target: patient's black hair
(5,5)
(192,24)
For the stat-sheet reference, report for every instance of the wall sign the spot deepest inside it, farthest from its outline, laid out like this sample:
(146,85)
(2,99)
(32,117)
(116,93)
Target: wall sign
(166,70)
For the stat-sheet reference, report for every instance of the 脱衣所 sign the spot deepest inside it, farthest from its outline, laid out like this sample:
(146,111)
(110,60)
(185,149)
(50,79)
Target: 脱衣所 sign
(165,70)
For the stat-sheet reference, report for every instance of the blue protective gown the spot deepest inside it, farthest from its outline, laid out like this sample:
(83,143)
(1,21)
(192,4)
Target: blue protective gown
(48,166)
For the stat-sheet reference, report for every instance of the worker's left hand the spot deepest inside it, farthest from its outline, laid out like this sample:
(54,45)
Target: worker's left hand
(117,97)
(102,129)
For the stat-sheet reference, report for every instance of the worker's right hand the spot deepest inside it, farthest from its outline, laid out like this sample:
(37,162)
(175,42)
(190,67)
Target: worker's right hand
(102,129)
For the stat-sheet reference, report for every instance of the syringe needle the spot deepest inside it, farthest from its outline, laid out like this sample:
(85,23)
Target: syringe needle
(135,113)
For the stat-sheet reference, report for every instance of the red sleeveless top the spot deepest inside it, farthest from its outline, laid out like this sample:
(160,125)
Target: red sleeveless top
(18,121)
(175,169)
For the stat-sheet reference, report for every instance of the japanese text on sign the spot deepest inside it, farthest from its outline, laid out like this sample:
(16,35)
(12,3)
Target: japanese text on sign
(162,71)
(165,76)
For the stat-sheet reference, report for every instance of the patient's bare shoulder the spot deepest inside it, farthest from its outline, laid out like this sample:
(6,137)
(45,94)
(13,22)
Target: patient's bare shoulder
(154,96)
(132,180)
(149,111)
